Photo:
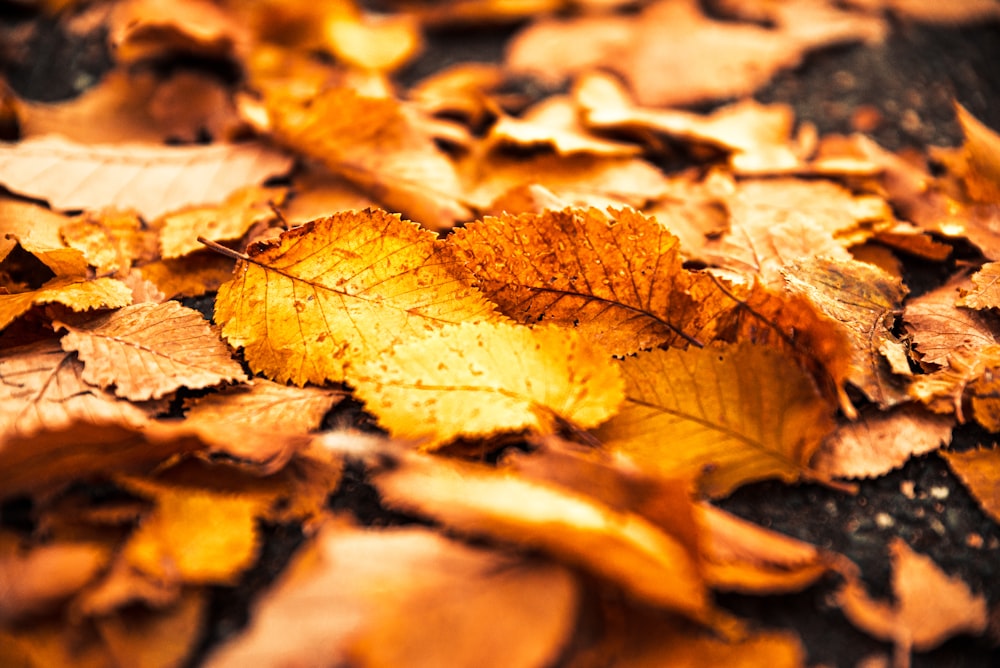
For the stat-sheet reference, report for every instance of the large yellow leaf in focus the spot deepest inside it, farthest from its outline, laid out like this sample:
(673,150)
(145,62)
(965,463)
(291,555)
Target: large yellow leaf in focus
(733,414)
(340,290)
(479,379)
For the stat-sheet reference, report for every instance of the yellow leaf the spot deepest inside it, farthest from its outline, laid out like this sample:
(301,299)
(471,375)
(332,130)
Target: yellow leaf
(732,415)
(479,379)
(340,290)
(265,405)
(188,276)
(36,229)
(147,351)
(111,241)
(619,281)
(76,293)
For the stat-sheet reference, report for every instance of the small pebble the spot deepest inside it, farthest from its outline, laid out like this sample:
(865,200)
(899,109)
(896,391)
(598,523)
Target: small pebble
(910,121)
(937,526)
(974,540)
(884,520)
(939,493)
(830,507)
(908,489)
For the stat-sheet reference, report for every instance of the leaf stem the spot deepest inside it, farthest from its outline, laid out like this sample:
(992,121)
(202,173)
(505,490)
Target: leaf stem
(223,250)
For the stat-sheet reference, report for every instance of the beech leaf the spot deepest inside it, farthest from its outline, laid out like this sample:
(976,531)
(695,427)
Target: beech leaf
(479,379)
(733,415)
(36,229)
(340,290)
(77,293)
(150,178)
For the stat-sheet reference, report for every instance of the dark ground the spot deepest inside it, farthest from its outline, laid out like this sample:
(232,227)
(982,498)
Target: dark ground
(911,81)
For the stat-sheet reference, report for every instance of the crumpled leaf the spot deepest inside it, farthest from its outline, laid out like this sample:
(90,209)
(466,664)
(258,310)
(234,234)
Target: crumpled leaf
(619,545)
(672,54)
(76,293)
(42,388)
(350,596)
(246,207)
(620,281)
(94,176)
(985,292)
(880,442)
(147,351)
(479,379)
(110,240)
(340,290)
(930,606)
(266,405)
(188,276)
(733,414)
(979,471)
(374,143)
(862,300)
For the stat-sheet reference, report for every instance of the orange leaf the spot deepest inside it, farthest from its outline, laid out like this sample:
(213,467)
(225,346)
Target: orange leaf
(36,230)
(980,470)
(986,291)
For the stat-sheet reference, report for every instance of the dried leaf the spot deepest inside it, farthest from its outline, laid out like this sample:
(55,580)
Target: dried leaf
(618,545)
(155,638)
(76,293)
(880,442)
(42,388)
(351,597)
(265,405)
(147,351)
(36,230)
(986,291)
(340,290)
(376,145)
(111,241)
(862,300)
(930,607)
(979,470)
(480,379)
(932,11)
(940,331)
(142,29)
(179,230)
(317,193)
(80,176)
(189,276)
(735,414)
(620,281)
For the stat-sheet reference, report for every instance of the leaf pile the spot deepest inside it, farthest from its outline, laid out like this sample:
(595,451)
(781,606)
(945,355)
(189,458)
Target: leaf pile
(568,351)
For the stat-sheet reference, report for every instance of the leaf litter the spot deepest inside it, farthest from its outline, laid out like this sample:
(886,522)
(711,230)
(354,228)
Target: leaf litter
(573,352)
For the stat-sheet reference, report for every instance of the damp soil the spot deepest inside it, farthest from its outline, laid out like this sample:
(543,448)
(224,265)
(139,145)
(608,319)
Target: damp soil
(900,93)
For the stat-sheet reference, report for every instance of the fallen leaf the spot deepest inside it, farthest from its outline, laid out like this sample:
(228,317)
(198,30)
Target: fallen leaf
(318,193)
(189,276)
(94,176)
(36,230)
(155,638)
(623,547)
(880,442)
(479,379)
(229,220)
(145,29)
(735,414)
(979,471)
(111,241)
(375,42)
(985,290)
(147,351)
(42,388)
(340,290)
(74,292)
(265,405)
(351,596)
(940,330)
(931,11)
(930,607)
(862,300)
(619,281)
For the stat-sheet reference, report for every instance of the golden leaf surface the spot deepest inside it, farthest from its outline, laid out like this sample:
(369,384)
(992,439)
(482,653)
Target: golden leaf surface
(350,596)
(985,290)
(76,293)
(188,276)
(877,443)
(619,281)
(111,241)
(36,229)
(479,379)
(265,405)
(929,607)
(80,176)
(147,351)
(979,470)
(340,290)
(375,143)
(727,414)
(616,544)
(862,300)
(42,388)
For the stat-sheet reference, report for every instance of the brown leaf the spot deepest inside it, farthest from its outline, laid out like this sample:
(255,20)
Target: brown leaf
(351,597)
(142,29)
(941,331)
(79,176)
(341,290)
(42,388)
(930,607)
(147,351)
(618,545)
(111,241)
(979,470)
(862,300)
(735,414)
(36,230)
(189,276)
(265,405)
(985,292)
(155,638)
(880,442)
(620,281)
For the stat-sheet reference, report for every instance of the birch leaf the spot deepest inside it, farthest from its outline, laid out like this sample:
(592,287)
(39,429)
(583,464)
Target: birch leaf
(619,281)
(147,351)
(340,290)
(479,379)
(732,415)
